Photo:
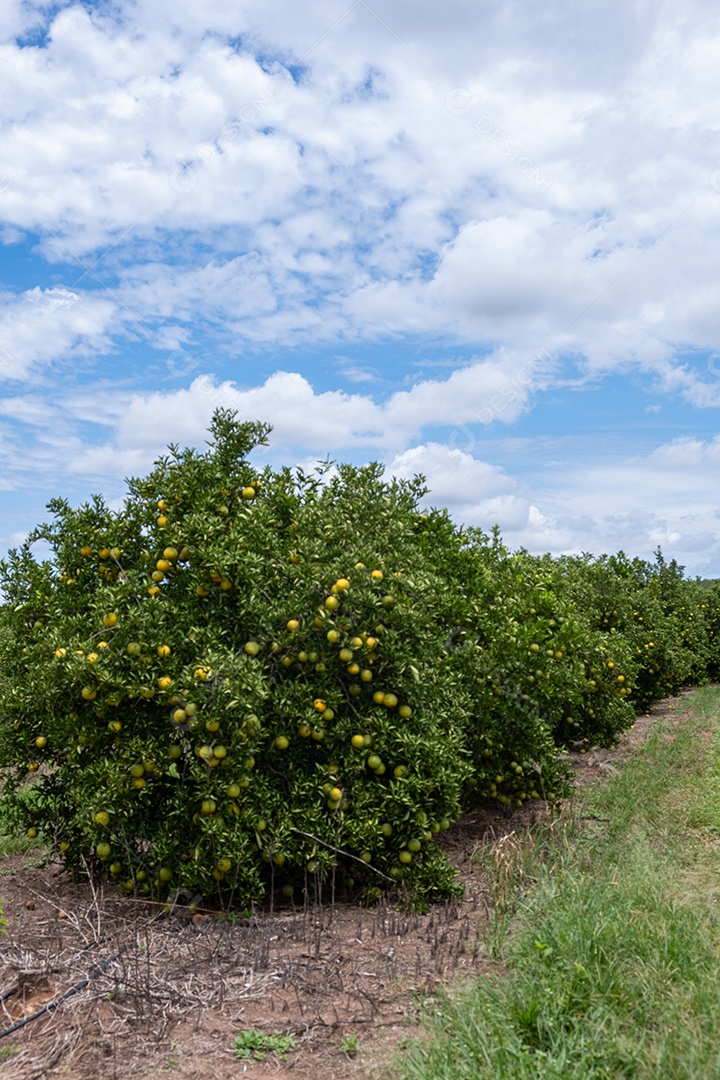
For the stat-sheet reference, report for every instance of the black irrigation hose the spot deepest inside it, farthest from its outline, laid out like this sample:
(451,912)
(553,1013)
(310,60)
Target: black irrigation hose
(68,993)
(347,854)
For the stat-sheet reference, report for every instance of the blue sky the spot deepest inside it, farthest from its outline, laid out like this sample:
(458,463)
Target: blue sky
(479,242)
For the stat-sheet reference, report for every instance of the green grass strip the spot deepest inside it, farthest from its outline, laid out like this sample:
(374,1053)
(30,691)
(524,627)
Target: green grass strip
(613,959)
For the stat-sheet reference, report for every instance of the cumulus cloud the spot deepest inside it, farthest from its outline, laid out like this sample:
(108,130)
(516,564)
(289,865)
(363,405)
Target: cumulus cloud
(569,504)
(462,479)
(301,417)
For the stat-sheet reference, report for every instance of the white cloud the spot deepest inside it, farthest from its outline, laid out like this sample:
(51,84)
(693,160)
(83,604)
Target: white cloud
(43,326)
(568,504)
(495,387)
(358,374)
(686,453)
(17,18)
(663,497)
(460,479)
(336,188)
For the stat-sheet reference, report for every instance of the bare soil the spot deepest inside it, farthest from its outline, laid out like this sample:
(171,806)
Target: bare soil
(132,990)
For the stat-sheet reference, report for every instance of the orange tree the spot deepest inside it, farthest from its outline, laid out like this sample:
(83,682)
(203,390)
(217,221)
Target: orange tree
(508,733)
(660,618)
(542,676)
(707,596)
(235,678)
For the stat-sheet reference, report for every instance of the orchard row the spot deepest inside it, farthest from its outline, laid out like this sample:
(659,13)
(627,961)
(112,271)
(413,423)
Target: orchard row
(246,680)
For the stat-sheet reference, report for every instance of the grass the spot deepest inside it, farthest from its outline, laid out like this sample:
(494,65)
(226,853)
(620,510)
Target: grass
(612,959)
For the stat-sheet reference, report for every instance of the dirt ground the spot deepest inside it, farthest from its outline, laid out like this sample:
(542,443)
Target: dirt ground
(133,991)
